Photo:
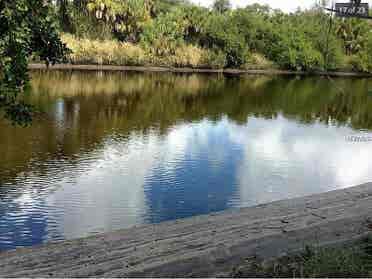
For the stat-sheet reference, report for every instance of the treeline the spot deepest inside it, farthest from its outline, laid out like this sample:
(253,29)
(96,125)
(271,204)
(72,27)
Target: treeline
(178,33)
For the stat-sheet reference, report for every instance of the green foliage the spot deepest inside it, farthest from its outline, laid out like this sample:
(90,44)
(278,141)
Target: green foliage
(195,19)
(113,52)
(127,18)
(192,24)
(195,57)
(320,31)
(107,52)
(316,262)
(254,25)
(64,15)
(221,6)
(86,26)
(165,6)
(354,34)
(305,40)
(363,60)
(231,43)
(26,28)
(215,59)
(294,51)
(172,33)
(164,34)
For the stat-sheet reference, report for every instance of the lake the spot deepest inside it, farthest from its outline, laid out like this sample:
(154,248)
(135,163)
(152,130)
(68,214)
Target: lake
(113,150)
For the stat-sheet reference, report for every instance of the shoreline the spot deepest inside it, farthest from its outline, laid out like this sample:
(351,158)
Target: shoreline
(203,246)
(38,66)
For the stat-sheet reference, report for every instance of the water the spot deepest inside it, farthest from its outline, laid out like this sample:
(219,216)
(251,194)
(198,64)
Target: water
(113,150)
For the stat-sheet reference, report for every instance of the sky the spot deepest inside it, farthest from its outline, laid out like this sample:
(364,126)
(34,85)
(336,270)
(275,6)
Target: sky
(285,5)
(152,177)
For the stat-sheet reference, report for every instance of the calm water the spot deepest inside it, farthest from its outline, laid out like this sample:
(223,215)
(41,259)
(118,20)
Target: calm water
(113,150)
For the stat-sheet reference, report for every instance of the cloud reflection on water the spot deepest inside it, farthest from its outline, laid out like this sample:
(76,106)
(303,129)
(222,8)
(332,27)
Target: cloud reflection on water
(120,150)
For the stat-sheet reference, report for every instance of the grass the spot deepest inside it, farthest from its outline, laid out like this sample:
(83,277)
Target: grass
(103,52)
(354,262)
(109,51)
(113,52)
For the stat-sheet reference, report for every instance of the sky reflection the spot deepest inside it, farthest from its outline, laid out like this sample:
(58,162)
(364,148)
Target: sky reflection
(78,177)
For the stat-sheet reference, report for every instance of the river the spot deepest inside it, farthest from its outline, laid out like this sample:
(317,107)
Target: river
(111,150)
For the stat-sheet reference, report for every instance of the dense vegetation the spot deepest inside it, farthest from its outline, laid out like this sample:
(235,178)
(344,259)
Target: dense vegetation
(315,262)
(26,27)
(170,33)
(178,33)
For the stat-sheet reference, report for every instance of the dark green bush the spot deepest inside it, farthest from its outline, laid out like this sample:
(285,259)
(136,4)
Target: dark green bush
(230,42)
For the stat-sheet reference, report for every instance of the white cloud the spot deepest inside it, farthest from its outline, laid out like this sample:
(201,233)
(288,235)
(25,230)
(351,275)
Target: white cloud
(284,159)
(276,159)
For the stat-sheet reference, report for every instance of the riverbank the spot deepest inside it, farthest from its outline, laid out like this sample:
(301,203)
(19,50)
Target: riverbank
(69,67)
(203,246)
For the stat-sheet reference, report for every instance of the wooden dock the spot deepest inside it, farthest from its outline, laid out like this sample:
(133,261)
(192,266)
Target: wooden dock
(202,246)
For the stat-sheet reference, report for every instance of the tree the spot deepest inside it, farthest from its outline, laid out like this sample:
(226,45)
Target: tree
(254,25)
(165,6)
(80,4)
(221,6)
(165,33)
(354,33)
(127,18)
(231,42)
(27,28)
(63,15)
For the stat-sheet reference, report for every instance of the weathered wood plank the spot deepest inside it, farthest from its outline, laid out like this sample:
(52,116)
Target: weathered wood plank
(204,245)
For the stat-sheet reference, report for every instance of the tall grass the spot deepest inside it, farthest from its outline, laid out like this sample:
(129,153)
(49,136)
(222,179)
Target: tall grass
(105,52)
(315,262)
(196,57)
(113,52)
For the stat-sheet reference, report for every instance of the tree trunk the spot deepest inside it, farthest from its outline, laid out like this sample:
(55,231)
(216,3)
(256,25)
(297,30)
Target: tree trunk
(63,15)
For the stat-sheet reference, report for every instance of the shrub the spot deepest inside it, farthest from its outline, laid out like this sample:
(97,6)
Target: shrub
(258,61)
(163,35)
(215,59)
(112,52)
(231,42)
(85,51)
(196,57)
(295,51)
(126,18)
(188,56)
(362,62)
(314,262)
(364,58)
